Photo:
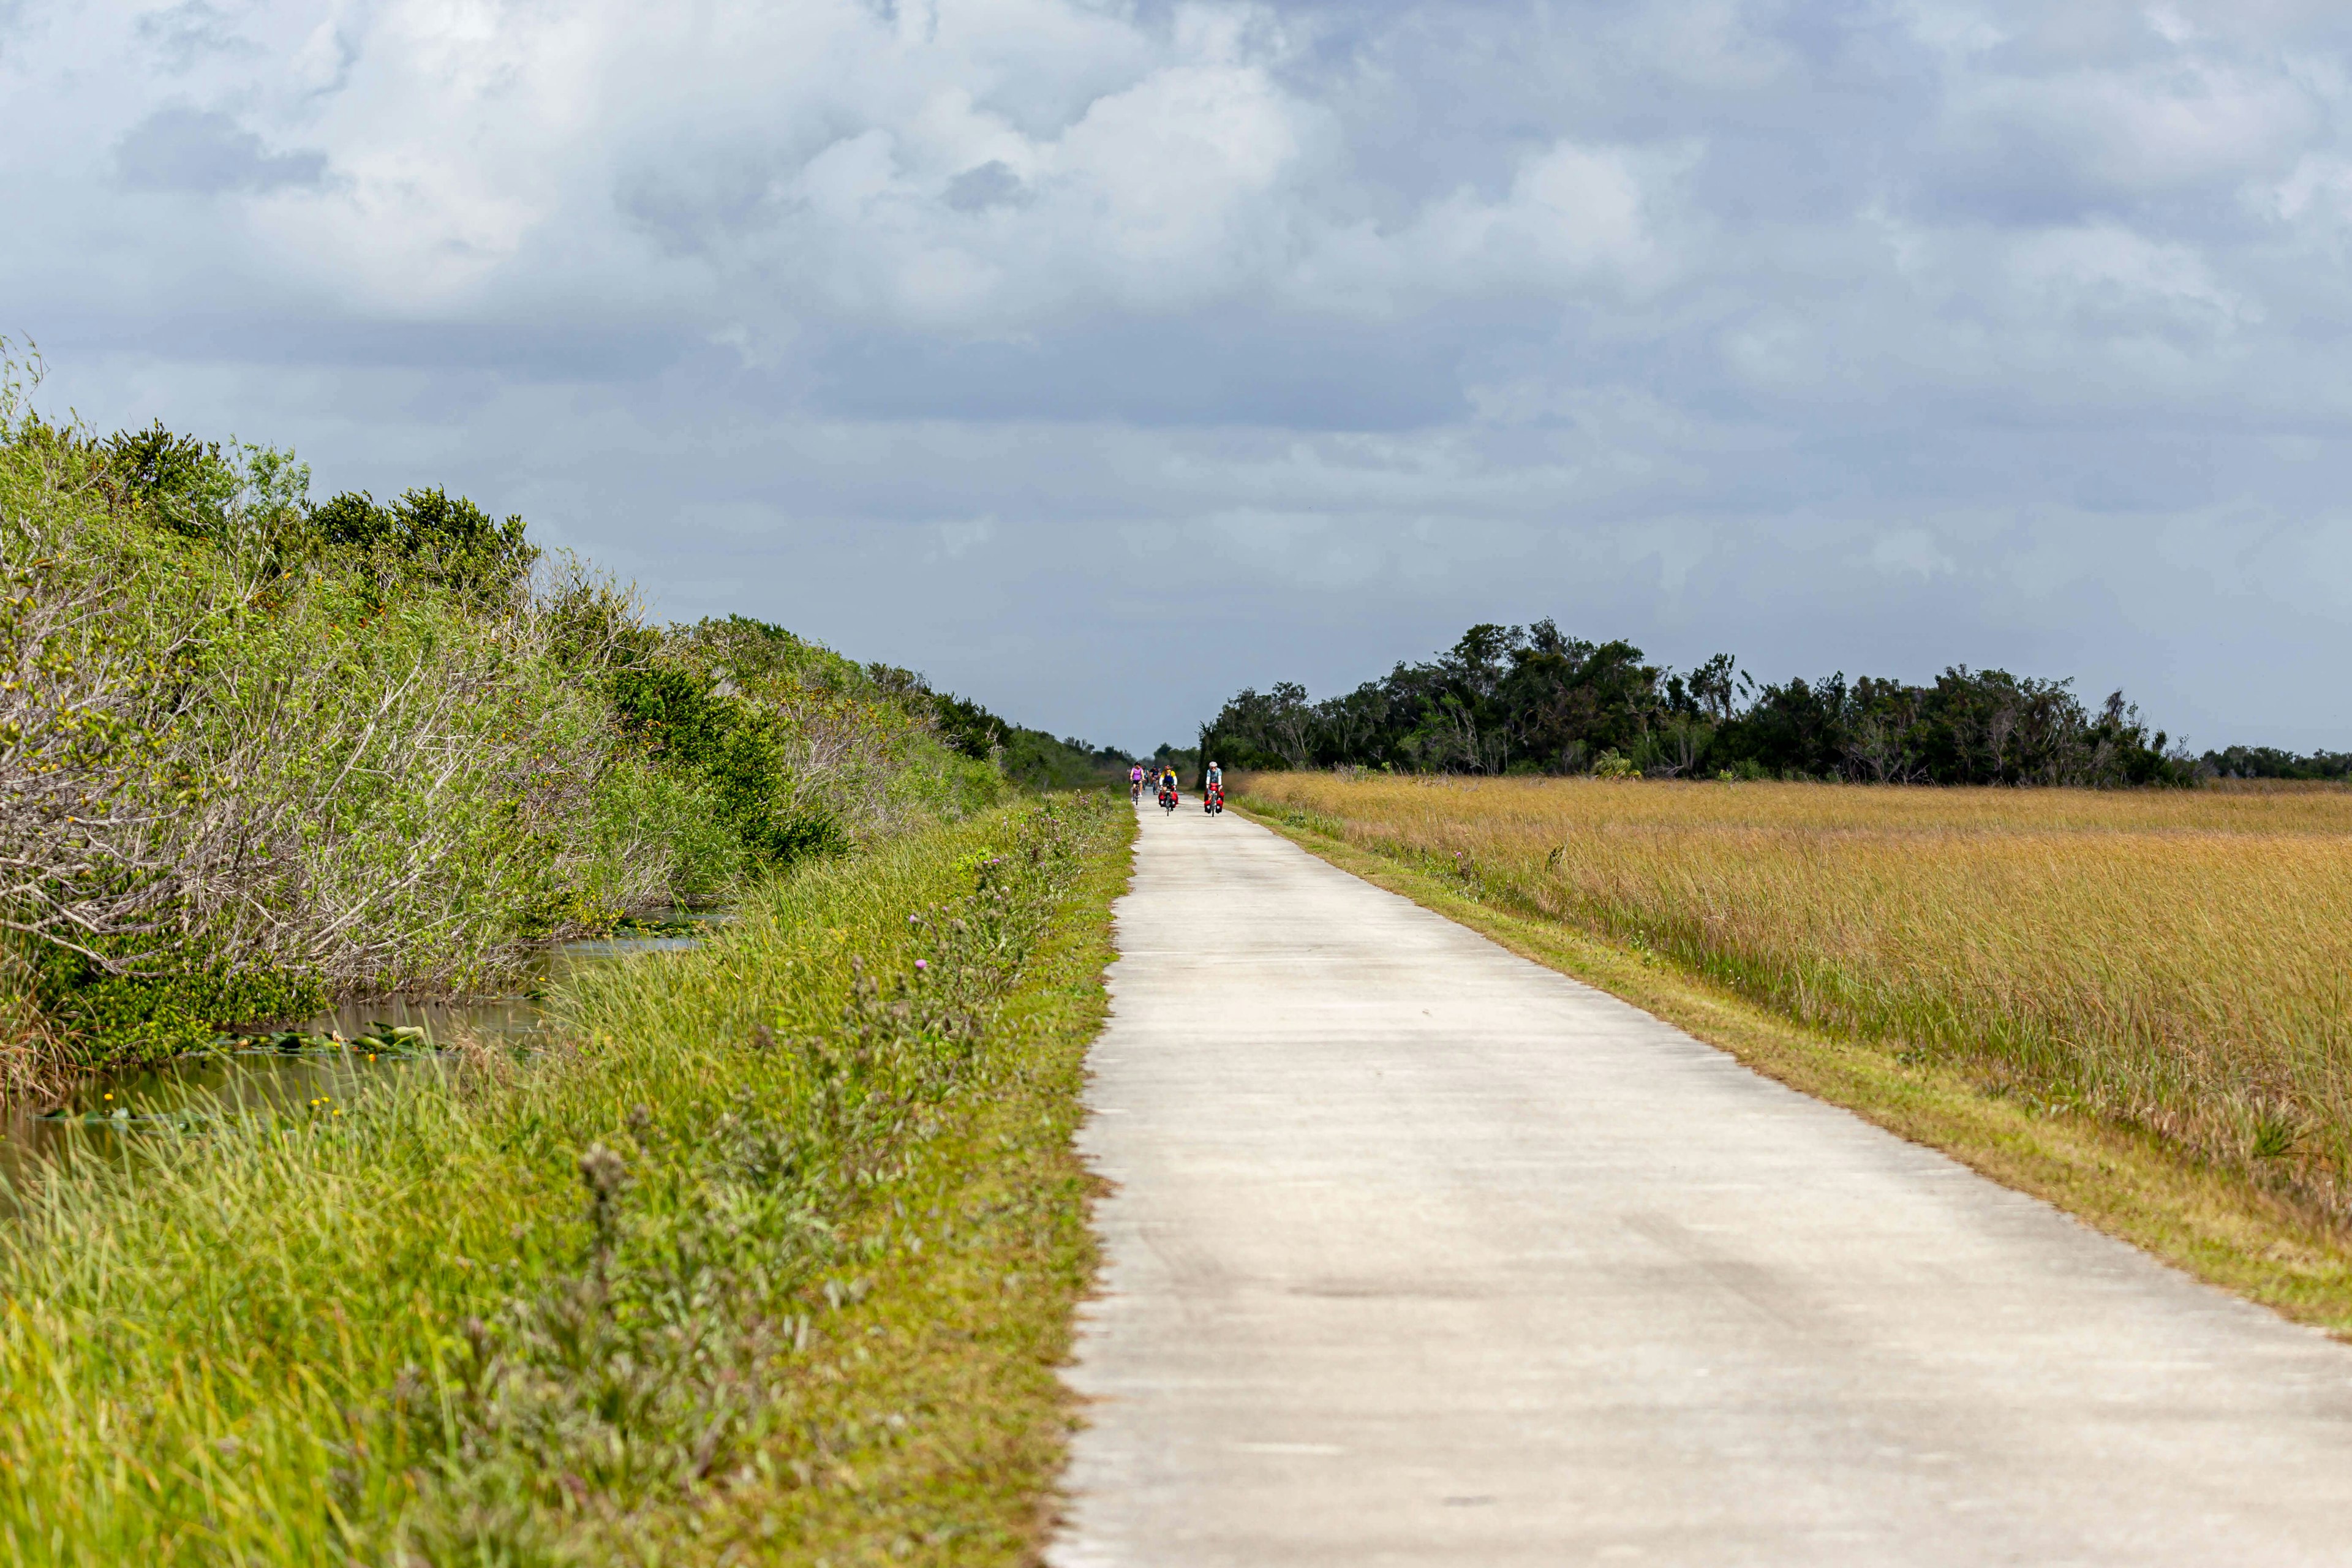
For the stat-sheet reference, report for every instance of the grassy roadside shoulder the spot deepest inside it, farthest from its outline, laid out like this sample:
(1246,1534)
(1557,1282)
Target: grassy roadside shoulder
(933,1420)
(2197,1217)
(775,1263)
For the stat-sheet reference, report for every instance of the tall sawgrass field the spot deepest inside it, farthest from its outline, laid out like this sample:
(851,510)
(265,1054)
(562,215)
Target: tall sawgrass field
(2175,960)
(525,1311)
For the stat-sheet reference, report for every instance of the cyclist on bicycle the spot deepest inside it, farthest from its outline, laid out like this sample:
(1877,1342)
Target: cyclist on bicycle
(1134,782)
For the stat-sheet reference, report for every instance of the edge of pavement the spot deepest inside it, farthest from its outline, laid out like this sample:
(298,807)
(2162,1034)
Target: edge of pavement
(2204,1221)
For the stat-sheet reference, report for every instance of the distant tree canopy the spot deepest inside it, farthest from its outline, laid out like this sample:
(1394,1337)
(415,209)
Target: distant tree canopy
(2270,763)
(1034,758)
(1532,699)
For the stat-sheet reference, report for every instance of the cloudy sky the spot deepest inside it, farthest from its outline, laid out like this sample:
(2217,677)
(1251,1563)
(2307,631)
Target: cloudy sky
(1098,358)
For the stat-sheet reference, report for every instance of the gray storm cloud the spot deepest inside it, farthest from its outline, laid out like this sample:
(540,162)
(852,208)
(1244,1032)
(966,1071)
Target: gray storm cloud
(205,153)
(1098,359)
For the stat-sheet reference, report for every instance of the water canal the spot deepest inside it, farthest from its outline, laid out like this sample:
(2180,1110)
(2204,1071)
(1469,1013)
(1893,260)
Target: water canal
(324,1060)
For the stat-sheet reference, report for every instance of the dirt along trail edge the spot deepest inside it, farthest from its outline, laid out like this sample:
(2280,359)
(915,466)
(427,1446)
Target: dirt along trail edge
(1419,1252)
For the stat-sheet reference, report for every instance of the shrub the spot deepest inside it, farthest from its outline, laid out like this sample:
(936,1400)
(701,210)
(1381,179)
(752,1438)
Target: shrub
(255,754)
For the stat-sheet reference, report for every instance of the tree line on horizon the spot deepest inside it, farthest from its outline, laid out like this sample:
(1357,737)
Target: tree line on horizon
(1533,699)
(1036,758)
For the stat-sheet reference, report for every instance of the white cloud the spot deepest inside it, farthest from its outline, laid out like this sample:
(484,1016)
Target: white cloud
(2103,274)
(961,537)
(1911,552)
(1571,212)
(2140,128)
(1351,319)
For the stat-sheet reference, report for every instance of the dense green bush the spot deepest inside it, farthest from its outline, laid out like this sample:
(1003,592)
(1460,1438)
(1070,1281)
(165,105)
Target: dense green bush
(735,748)
(256,753)
(429,536)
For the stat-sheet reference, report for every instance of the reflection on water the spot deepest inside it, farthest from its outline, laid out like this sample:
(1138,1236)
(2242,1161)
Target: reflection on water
(186,1096)
(309,1071)
(511,1020)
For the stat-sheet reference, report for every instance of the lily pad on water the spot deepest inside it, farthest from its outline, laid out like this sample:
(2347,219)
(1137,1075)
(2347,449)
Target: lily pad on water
(295,1040)
(404,1037)
(125,1120)
(381,1038)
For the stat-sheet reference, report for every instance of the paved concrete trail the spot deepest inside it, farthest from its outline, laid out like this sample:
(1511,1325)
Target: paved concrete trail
(1421,1253)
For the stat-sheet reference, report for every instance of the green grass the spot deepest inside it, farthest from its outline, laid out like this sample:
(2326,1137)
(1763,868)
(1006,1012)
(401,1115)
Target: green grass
(931,1425)
(774,1263)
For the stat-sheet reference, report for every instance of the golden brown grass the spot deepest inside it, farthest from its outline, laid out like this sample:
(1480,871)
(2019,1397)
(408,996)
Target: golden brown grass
(2175,963)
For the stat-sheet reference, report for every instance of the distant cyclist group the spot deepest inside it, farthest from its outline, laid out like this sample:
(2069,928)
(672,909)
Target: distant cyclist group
(1164,787)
